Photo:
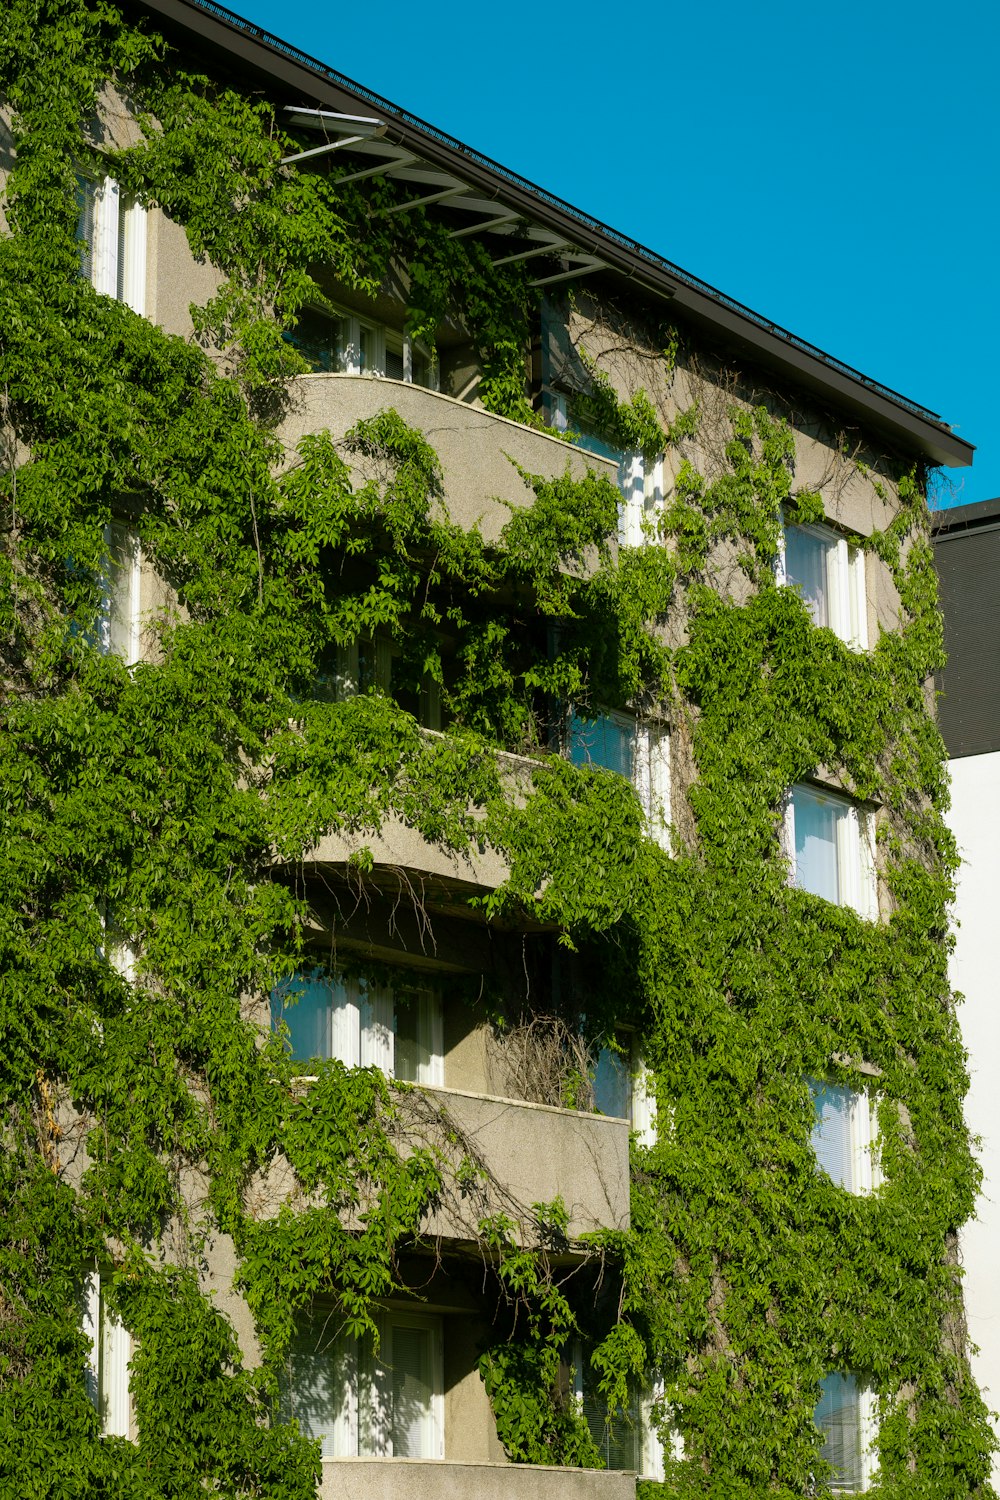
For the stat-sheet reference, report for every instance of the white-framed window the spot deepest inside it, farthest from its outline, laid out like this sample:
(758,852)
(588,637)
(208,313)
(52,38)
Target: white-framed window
(363,1400)
(829,843)
(623,1086)
(119,622)
(107,1371)
(638,751)
(844,1135)
(640,479)
(335,341)
(829,573)
(362,1023)
(845,1415)
(365,666)
(112,232)
(627,1440)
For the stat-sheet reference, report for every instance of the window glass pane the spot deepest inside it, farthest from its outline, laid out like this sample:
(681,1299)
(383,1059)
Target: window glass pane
(838,1416)
(304,1002)
(612,1084)
(816,863)
(805,569)
(603,741)
(831,1133)
(412,1387)
(86,226)
(318,337)
(319,1390)
(414,1035)
(393,362)
(618,1439)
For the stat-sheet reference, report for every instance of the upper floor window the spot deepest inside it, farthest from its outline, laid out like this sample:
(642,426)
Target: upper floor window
(344,343)
(829,843)
(366,665)
(640,479)
(112,232)
(845,1417)
(365,1404)
(830,575)
(639,752)
(362,1023)
(622,1087)
(844,1136)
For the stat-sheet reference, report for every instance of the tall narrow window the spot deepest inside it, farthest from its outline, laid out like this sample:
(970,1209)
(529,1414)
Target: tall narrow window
(844,1415)
(627,1439)
(844,1136)
(112,232)
(829,842)
(107,1373)
(623,1087)
(830,575)
(367,1402)
(362,1023)
(119,621)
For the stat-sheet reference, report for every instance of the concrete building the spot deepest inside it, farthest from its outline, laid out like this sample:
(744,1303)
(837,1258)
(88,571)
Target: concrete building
(539,1052)
(967,552)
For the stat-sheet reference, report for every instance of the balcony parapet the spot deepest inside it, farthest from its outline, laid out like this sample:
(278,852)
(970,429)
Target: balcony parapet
(474,447)
(441,1479)
(506,1154)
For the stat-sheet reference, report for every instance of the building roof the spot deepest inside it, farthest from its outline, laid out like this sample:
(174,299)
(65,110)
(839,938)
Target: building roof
(294,77)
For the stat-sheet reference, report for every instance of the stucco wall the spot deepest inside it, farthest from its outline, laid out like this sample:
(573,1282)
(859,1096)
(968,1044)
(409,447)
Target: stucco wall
(419,1479)
(475,448)
(975,965)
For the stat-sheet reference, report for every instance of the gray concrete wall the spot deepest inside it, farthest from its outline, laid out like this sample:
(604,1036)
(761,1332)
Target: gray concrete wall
(424,1479)
(475,448)
(523,1153)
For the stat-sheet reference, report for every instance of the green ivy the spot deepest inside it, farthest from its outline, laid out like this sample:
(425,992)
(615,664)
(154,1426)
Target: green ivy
(153,801)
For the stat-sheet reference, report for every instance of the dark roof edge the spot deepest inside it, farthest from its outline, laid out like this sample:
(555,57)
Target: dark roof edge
(913,426)
(957,519)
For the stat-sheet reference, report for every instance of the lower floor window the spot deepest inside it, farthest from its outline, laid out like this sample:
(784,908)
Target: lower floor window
(844,1415)
(364,1398)
(625,1439)
(107,1373)
(844,1136)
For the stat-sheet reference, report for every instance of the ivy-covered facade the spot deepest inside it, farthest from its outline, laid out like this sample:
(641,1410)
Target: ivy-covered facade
(473,943)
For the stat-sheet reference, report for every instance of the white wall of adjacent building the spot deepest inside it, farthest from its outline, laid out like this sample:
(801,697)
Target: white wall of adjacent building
(975,972)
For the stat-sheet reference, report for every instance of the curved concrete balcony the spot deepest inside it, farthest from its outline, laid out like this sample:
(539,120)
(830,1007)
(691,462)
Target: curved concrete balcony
(477,450)
(426,1479)
(506,1154)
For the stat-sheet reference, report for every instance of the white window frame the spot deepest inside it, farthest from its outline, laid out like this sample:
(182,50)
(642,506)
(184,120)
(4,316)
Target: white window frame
(107,1368)
(650,764)
(121,595)
(368,1390)
(867,1435)
(379,338)
(846,582)
(856,872)
(115,259)
(863,1144)
(640,483)
(361,1030)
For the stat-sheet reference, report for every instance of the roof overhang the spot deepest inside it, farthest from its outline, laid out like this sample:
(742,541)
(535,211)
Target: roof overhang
(441,169)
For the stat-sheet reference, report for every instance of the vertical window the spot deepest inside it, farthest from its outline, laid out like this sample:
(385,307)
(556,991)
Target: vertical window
(829,843)
(362,1024)
(622,1087)
(626,1440)
(111,229)
(844,1415)
(640,479)
(639,752)
(119,622)
(107,1370)
(363,1402)
(844,1136)
(830,576)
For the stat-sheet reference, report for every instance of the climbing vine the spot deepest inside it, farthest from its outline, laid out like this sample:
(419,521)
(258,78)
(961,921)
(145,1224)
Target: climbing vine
(154,808)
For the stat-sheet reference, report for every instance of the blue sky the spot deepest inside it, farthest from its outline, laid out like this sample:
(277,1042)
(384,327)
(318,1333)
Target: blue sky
(834,167)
